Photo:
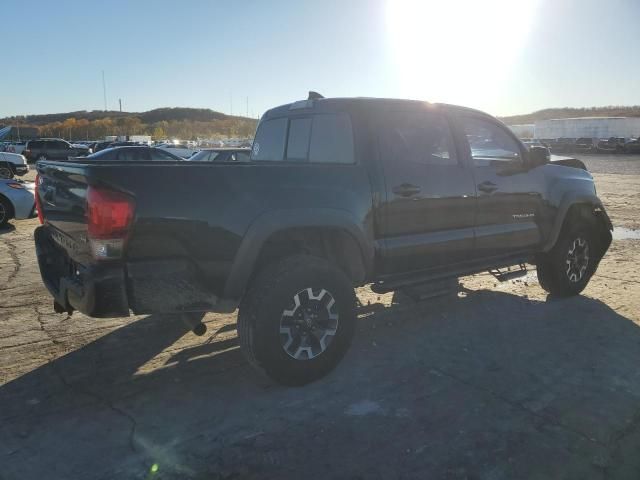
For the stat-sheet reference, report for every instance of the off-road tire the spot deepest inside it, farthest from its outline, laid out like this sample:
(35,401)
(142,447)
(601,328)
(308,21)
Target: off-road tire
(552,267)
(261,311)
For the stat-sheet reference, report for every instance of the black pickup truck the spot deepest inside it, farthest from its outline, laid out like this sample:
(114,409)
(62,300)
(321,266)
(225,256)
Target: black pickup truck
(338,193)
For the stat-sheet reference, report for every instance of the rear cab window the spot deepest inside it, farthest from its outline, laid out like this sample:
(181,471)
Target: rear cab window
(314,138)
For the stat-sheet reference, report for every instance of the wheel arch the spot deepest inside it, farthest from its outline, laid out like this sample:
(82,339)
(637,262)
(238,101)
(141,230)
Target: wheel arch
(576,207)
(288,230)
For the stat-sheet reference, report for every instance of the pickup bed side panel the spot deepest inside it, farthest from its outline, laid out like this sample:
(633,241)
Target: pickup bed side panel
(191,219)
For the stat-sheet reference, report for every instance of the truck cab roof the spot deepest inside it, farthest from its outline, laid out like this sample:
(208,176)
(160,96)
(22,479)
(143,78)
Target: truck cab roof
(367,104)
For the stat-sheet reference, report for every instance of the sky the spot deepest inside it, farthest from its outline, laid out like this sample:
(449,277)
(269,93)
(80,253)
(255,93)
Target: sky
(245,56)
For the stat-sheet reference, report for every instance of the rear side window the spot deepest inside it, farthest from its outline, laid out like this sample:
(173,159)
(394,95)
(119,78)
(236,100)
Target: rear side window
(270,140)
(320,138)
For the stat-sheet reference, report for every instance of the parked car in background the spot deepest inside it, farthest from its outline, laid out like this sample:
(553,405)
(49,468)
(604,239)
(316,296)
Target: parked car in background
(585,145)
(12,164)
(97,146)
(134,153)
(222,155)
(53,149)
(632,146)
(16,200)
(611,145)
(183,150)
(562,145)
(13,147)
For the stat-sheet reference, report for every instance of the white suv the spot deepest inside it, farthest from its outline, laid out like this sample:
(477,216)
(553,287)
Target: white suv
(12,164)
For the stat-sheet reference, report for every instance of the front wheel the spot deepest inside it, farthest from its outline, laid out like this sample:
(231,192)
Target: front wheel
(568,267)
(6,172)
(297,320)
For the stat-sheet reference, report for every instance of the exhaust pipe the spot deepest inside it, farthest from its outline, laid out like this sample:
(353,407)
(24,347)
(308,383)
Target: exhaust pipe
(193,320)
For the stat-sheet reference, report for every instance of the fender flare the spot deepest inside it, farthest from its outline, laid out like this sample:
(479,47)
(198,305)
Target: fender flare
(569,200)
(278,220)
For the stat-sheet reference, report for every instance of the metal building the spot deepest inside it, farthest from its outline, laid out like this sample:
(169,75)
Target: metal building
(588,127)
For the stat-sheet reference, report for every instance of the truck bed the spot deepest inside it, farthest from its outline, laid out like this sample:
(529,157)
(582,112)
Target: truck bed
(190,222)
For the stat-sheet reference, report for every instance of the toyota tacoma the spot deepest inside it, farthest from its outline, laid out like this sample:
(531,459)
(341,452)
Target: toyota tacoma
(338,193)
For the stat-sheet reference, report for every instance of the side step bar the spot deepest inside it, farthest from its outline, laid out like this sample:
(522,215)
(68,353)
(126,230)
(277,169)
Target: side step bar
(503,276)
(395,282)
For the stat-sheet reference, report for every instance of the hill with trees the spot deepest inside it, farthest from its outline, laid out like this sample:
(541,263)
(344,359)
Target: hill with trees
(553,113)
(184,123)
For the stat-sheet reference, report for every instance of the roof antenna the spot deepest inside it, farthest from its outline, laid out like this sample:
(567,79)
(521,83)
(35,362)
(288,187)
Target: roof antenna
(314,95)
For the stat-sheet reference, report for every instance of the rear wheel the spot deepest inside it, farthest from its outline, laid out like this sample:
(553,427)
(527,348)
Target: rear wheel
(297,320)
(568,267)
(5,212)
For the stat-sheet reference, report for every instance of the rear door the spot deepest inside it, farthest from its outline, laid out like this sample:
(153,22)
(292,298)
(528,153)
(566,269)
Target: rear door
(428,216)
(509,194)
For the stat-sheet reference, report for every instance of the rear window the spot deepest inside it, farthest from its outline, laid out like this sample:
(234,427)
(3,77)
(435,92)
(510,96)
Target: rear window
(298,143)
(319,138)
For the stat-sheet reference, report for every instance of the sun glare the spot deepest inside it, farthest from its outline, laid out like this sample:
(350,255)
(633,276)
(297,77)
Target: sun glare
(456,51)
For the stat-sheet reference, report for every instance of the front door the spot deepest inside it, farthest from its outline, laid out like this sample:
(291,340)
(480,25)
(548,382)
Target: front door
(428,214)
(508,192)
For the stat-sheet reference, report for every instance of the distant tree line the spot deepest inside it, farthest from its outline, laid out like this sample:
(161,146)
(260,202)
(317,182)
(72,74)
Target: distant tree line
(553,113)
(184,123)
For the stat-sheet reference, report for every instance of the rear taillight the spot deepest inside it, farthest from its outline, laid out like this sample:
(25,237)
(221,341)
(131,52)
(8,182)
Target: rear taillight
(109,216)
(38,203)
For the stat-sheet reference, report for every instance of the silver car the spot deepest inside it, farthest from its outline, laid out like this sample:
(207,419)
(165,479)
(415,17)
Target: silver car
(17,200)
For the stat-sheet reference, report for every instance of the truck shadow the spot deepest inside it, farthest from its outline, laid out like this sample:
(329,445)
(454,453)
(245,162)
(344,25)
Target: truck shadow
(570,363)
(8,228)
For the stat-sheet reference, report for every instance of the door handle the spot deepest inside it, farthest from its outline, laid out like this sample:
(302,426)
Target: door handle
(487,187)
(406,190)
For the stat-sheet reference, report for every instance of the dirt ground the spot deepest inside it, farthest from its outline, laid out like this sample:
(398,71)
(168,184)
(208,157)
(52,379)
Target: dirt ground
(499,382)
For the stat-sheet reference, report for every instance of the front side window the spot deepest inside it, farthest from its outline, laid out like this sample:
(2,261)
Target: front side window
(418,137)
(490,142)
(270,140)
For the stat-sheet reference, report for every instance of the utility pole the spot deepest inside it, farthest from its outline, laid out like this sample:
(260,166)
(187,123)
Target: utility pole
(104,91)
(247,106)
(120,100)
(231,102)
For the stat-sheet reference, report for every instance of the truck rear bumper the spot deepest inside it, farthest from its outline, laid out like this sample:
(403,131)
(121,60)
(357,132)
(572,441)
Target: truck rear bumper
(104,290)
(96,290)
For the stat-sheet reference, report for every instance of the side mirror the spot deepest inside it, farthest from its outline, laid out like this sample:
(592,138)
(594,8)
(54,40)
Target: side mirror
(539,155)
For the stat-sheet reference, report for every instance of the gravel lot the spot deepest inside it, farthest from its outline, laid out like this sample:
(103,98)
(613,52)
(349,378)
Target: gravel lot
(499,382)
